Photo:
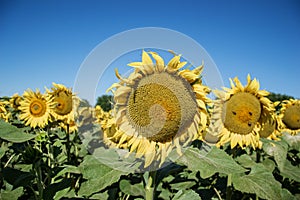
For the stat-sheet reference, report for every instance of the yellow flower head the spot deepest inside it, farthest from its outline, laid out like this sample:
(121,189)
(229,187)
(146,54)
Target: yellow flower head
(35,109)
(238,113)
(289,116)
(158,107)
(269,127)
(64,102)
(4,114)
(15,101)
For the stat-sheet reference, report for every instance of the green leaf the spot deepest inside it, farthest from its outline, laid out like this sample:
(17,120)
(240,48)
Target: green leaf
(13,194)
(278,149)
(132,189)
(285,194)
(13,134)
(216,160)
(186,194)
(260,182)
(269,164)
(183,185)
(164,193)
(3,149)
(98,176)
(68,169)
(103,195)
(245,160)
(290,171)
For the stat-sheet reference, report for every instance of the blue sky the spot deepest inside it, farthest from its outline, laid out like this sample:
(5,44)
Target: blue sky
(47,41)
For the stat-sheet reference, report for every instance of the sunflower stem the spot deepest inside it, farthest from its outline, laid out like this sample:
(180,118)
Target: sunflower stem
(68,145)
(150,187)
(37,168)
(229,187)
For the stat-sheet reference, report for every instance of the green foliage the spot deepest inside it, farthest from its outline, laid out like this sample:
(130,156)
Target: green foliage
(51,164)
(13,134)
(279,97)
(105,101)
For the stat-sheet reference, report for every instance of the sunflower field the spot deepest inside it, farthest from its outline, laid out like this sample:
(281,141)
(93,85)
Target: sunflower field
(164,138)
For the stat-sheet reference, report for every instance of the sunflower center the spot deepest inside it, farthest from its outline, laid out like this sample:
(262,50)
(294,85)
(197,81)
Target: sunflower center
(63,103)
(37,108)
(160,106)
(241,112)
(291,117)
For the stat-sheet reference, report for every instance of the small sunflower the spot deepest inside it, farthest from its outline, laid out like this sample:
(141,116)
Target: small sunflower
(69,127)
(289,117)
(4,114)
(35,109)
(239,112)
(64,103)
(15,101)
(108,126)
(159,107)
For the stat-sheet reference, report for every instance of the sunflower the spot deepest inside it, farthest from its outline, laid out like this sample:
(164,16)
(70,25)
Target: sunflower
(4,114)
(64,101)
(269,127)
(289,116)
(35,109)
(159,107)
(15,101)
(69,127)
(239,112)
(108,126)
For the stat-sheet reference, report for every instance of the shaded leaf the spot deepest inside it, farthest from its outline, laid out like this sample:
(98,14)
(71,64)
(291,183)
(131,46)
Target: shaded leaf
(13,134)
(52,189)
(214,161)
(16,177)
(132,189)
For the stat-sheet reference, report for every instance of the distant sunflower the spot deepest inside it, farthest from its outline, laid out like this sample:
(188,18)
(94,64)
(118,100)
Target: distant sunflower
(4,114)
(35,109)
(289,117)
(15,101)
(64,102)
(69,127)
(238,113)
(108,126)
(159,107)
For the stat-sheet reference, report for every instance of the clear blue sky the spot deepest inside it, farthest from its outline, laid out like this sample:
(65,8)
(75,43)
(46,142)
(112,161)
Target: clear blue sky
(46,41)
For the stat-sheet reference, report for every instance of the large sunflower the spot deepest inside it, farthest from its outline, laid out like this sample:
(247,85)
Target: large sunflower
(64,103)
(159,107)
(239,112)
(35,109)
(289,116)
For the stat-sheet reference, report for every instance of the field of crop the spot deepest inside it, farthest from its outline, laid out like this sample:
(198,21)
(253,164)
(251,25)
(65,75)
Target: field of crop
(163,139)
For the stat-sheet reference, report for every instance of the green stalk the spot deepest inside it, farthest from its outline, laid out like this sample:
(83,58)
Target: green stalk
(151,187)
(229,188)
(37,167)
